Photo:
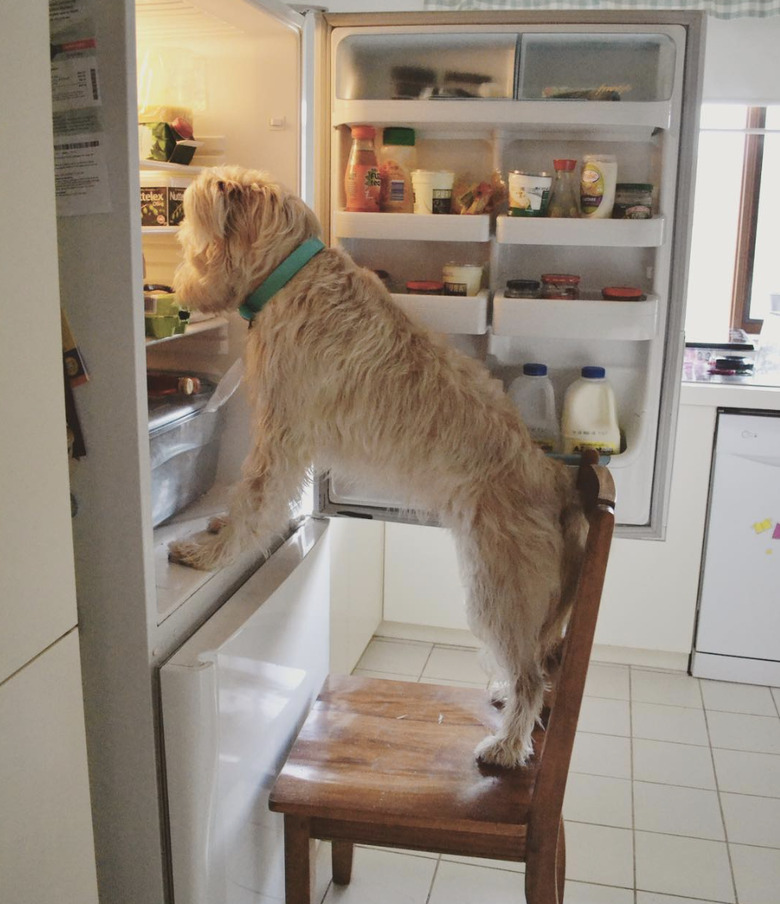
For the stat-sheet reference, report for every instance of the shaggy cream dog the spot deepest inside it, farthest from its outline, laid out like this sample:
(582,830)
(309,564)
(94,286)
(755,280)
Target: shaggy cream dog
(340,378)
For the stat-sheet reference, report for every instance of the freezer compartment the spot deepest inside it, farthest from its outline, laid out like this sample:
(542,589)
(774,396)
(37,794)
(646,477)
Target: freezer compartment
(600,67)
(184,442)
(233,698)
(425,65)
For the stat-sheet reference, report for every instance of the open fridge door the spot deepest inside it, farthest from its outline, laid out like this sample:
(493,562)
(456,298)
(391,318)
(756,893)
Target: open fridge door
(487,94)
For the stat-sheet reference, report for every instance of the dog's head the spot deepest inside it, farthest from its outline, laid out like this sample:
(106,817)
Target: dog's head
(238,226)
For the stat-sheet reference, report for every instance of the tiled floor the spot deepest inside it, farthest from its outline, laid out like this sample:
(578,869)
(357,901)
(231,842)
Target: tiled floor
(673,797)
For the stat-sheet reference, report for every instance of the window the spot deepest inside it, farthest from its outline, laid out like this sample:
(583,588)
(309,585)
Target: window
(734,265)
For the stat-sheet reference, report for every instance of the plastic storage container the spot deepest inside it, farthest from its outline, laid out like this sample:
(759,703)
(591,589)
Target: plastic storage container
(183,445)
(534,396)
(589,419)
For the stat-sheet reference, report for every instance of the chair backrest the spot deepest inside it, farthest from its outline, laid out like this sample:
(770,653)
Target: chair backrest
(597,492)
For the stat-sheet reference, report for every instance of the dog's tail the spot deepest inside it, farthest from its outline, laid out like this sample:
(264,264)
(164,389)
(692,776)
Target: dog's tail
(574,532)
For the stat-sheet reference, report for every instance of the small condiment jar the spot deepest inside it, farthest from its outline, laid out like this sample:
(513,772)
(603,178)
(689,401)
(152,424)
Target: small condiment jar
(633,201)
(621,293)
(560,285)
(522,288)
(425,287)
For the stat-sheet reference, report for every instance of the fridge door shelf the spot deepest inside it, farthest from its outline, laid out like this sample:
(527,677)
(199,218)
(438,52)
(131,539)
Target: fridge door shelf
(540,115)
(412,227)
(452,314)
(581,319)
(583,232)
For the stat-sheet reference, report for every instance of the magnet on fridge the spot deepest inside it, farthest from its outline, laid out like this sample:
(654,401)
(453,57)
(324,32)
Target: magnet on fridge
(760,526)
(776,532)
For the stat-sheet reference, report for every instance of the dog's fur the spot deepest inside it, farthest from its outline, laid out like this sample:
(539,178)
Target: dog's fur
(339,377)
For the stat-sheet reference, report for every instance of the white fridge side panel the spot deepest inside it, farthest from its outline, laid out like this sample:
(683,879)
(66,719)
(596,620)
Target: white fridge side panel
(233,699)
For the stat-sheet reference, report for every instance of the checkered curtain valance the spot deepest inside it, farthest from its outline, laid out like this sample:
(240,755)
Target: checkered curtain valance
(720,9)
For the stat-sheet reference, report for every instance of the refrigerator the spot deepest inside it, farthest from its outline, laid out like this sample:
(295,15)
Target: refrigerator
(174,660)
(738,619)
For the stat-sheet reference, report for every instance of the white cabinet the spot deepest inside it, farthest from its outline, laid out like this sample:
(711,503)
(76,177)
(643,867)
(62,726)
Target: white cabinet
(46,848)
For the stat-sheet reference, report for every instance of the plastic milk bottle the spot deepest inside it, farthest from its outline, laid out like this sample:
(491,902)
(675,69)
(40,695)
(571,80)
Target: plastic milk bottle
(589,418)
(534,397)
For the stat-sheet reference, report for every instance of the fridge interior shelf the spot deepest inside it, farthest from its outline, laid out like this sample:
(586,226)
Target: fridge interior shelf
(412,227)
(612,233)
(454,114)
(581,319)
(453,314)
(178,168)
(193,329)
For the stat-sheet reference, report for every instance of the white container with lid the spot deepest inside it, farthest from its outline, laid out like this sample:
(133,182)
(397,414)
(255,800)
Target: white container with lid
(589,419)
(534,396)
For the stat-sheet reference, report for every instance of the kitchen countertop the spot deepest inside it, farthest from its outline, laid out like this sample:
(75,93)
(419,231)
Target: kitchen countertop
(730,392)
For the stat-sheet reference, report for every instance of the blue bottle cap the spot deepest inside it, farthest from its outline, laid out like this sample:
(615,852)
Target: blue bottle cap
(535,370)
(592,372)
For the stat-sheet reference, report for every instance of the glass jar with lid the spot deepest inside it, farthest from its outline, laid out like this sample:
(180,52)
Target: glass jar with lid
(560,285)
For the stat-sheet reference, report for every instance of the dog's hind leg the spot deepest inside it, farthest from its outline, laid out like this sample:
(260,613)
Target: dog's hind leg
(512,745)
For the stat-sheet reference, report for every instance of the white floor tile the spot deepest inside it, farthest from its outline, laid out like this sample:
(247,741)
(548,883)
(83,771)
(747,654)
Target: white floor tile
(649,897)
(606,680)
(599,855)
(688,867)
(584,893)
(387,676)
(456,665)
(756,873)
(656,722)
(600,715)
(673,764)
(752,820)
(464,883)
(601,755)
(385,877)
(669,688)
(677,811)
(748,773)
(454,683)
(738,698)
(398,657)
(598,799)
(776,695)
(759,734)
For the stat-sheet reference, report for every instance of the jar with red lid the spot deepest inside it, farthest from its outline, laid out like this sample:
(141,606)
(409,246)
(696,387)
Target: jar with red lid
(621,293)
(425,287)
(560,285)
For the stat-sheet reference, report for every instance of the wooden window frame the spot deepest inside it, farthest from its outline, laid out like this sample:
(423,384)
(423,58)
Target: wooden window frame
(748,222)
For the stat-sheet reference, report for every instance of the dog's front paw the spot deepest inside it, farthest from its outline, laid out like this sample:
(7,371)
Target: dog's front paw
(495,750)
(205,551)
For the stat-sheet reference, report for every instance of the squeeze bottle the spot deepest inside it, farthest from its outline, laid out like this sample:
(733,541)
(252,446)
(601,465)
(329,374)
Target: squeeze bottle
(589,419)
(534,397)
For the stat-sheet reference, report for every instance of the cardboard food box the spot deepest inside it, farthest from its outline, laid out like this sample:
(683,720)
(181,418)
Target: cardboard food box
(162,195)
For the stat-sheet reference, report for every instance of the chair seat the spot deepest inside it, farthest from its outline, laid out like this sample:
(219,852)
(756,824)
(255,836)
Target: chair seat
(404,750)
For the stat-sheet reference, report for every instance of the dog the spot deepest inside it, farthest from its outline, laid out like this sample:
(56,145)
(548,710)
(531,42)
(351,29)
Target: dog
(340,379)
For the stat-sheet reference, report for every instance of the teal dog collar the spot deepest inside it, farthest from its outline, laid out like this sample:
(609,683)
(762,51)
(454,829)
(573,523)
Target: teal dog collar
(279,278)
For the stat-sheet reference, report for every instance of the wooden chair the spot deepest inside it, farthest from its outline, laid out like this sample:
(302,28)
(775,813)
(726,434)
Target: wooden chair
(391,763)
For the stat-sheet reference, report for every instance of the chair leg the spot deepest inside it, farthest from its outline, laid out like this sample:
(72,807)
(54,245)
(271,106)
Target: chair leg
(341,858)
(544,870)
(298,861)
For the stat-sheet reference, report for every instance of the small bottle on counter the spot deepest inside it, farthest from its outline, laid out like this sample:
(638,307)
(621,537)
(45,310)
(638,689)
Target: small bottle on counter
(565,192)
(397,159)
(597,185)
(534,396)
(589,419)
(361,181)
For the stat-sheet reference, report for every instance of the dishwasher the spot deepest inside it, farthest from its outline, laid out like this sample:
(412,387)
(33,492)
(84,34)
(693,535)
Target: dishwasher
(737,634)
